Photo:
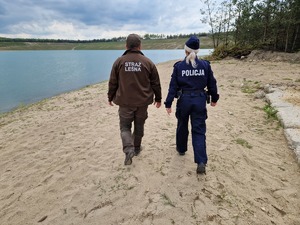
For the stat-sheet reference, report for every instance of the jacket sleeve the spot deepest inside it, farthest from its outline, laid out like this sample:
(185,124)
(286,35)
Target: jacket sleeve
(173,87)
(113,82)
(212,85)
(155,84)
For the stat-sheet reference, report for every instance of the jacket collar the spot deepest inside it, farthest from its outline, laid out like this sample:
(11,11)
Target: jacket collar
(132,51)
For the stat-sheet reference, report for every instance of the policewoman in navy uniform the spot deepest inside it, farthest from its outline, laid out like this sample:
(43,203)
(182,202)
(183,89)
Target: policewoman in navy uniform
(192,81)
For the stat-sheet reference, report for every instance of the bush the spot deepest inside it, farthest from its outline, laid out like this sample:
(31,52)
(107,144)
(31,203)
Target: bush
(235,51)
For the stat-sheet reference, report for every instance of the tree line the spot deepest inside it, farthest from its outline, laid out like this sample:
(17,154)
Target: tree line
(268,24)
(41,40)
(114,39)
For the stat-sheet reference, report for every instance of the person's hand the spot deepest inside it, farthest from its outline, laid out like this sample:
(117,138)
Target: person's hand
(110,103)
(169,110)
(213,104)
(157,104)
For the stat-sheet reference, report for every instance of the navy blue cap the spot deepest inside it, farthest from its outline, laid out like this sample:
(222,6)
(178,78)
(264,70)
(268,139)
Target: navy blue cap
(193,43)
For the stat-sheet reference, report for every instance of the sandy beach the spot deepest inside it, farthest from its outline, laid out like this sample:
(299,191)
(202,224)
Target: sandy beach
(61,161)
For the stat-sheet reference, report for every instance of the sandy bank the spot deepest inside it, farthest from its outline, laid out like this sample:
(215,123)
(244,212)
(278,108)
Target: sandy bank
(61,160)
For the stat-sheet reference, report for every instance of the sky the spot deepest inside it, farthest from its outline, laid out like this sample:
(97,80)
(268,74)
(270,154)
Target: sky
(98,19)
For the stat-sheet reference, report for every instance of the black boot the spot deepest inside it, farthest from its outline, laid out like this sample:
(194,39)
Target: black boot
(128,158)
(137,150)
(201,168)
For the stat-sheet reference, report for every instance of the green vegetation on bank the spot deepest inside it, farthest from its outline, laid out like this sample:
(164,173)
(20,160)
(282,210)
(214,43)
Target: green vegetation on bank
(174,43)
(257,24)
(271,112)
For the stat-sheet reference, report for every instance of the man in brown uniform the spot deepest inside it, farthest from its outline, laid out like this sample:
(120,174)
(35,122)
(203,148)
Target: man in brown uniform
(133,85)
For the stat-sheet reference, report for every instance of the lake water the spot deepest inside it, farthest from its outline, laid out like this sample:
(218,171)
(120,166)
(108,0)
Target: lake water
(30,76)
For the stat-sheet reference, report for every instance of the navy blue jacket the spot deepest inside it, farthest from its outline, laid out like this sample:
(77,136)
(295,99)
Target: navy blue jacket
(187,78)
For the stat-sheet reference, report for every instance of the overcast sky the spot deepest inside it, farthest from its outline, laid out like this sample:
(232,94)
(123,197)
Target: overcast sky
(96,19)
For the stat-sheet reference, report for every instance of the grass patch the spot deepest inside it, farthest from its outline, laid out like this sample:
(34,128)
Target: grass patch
(271,112)
(250,87)
(243,143)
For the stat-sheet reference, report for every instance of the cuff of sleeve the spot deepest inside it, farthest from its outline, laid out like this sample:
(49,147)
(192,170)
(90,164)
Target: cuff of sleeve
(215,98)
(168,105)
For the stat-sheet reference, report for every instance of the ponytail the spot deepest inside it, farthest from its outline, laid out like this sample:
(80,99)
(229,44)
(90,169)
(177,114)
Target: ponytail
(192,58)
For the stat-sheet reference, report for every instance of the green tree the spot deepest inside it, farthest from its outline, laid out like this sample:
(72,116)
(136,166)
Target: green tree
(267,24)
(219,18)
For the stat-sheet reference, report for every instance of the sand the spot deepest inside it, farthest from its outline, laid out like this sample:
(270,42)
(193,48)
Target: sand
(61,160)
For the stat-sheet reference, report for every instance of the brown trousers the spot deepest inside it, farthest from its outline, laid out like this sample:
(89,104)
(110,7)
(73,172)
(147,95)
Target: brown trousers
(137,116)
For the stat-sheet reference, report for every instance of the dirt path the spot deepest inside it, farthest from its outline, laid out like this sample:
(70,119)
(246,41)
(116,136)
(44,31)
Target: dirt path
(61,160)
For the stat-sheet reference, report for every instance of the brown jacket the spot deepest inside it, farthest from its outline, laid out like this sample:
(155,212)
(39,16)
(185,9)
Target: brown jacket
(134,81)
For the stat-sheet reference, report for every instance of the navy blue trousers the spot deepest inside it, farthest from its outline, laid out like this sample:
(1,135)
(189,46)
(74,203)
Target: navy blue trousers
(192,106)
